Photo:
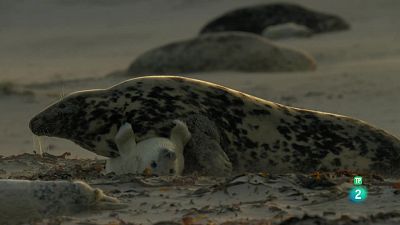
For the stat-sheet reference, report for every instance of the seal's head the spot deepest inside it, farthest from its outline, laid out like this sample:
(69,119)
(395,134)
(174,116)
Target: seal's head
(54,120)
(83,117)
(328,23)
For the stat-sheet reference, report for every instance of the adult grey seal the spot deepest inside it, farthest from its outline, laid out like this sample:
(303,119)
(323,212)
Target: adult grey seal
(256,19)
(227,51)
(238,131)
(25,201)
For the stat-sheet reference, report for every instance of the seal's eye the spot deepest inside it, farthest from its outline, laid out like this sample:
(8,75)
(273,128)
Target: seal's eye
(168,154)
(153,164)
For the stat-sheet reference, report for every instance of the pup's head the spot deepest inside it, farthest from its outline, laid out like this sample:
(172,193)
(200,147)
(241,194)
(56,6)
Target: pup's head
(159,156)
(330,23)
(166,155)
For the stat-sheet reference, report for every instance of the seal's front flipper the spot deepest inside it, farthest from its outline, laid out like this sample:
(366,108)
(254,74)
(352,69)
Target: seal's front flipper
(125,139)
(211,158)
(106,202)
(204,151)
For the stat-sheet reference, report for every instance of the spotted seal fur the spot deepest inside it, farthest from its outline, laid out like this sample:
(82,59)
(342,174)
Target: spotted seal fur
(254,134)
(256,19)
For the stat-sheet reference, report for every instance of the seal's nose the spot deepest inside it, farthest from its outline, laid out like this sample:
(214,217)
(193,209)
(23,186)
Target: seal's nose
(40,127)
(33,125)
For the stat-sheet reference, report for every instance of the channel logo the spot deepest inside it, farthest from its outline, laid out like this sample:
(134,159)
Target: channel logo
(358,193)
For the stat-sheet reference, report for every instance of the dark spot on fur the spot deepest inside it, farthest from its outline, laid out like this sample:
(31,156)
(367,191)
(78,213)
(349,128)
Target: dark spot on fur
(249,143)
(253,155)
(272,162)
(302,149)
(336,162)
(258,112)
(237,102)
(266,147)
(263,155)
(286,158)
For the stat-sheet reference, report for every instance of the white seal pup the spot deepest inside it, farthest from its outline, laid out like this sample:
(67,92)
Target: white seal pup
(249,134)
(162,156)
(24,201)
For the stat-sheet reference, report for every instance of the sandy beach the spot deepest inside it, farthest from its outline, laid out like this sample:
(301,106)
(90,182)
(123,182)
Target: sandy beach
(51,48)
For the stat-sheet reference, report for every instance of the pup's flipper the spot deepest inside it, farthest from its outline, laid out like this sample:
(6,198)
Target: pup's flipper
(125,139)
